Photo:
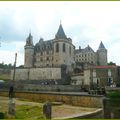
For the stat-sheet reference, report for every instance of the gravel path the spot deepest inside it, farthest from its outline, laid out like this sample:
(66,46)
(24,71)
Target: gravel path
(58,111)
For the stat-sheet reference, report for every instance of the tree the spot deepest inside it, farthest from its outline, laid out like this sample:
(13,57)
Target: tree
(21,66)
(111,63)
(6,66)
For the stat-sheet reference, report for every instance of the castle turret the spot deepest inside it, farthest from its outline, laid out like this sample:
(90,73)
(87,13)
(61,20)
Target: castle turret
(29,52)
(63,48)
(102,55)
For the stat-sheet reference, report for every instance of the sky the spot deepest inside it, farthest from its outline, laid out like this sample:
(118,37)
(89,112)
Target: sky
(86,23)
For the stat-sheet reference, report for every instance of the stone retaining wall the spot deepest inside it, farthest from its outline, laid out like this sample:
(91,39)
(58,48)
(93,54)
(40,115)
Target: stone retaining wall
(37,73)
(71,98)
(55,88)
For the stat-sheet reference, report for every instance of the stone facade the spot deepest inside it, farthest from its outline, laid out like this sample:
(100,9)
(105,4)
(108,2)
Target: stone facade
(103,75)
(29,52)
(100,76)
(42,58)
(102,55)
(68,98)
(88,56)
(37,74)
(59,51)
(54,52)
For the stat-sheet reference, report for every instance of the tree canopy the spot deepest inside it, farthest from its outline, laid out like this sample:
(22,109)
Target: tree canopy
(111,63)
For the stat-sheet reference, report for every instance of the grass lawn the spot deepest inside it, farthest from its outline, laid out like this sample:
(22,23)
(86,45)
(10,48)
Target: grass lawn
(5,76)
(28,112)
(22,110)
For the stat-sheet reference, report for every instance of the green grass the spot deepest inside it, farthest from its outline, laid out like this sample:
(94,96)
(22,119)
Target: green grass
(5,77)
(115,94)
(28,112)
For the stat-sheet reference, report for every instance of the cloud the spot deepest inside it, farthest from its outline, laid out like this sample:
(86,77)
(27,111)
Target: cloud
(9,57)
(85,22)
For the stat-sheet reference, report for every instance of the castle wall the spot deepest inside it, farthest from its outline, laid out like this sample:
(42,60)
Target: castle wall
(29,54)
(44,58)
(86,57)
(37,74)
(102,57)
(62,57)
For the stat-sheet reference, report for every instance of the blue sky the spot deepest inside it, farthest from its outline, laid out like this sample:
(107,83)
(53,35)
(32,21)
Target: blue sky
(84,22)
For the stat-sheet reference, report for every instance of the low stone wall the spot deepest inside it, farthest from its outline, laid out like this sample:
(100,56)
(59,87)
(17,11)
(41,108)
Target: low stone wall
(68,98)
(55,88)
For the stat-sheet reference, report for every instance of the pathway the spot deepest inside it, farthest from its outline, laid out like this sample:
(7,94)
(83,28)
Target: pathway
(58,111)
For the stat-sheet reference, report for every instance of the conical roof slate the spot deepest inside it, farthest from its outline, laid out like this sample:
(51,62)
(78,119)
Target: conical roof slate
(60,33)
(101,46)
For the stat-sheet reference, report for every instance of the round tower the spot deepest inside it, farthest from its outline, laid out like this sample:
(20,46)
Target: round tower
(102,55)
(29,52)
(63,49)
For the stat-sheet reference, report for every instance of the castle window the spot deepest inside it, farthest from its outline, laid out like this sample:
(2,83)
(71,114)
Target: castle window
(47,58)
(41,59)
(63,47)
(57,47)
(70,50)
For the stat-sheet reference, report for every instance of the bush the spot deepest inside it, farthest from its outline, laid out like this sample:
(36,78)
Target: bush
(115,94)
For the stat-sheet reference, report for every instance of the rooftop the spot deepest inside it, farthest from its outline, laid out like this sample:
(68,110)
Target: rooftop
(60,33)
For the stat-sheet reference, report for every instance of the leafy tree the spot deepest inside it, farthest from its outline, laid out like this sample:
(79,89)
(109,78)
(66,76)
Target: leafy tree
(111,63)
(21,66)
(6,66)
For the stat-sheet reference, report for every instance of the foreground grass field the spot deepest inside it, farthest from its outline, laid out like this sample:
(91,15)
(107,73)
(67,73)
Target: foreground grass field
(33,110)
(29,112)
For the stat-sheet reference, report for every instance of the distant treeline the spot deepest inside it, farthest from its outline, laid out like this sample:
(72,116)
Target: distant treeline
(6,66)
(9,66)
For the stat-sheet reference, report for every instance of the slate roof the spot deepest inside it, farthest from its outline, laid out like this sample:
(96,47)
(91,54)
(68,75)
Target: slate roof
(101,46)
(60,33)
(44,45)
(29,40)
(85,50)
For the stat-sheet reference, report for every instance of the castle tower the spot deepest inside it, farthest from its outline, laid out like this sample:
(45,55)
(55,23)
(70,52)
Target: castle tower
(63,48)
(29,52)
(102,55)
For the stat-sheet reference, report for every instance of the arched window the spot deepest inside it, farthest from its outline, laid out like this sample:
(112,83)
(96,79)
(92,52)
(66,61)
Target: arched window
(63,47)
(57,47)
(70,50)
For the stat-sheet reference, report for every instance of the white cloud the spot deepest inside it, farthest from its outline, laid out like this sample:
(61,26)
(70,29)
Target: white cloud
(9,57)
(85,22)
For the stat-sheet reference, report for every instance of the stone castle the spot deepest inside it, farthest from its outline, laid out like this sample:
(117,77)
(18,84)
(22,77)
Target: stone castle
(55,60)
(60,51)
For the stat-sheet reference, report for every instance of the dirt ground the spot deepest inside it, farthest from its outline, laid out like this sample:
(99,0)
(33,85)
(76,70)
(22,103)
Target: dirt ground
(58,111)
